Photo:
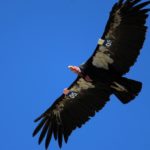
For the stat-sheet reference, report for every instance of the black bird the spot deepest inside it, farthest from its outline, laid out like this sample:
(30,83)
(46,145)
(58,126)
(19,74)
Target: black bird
(101,75)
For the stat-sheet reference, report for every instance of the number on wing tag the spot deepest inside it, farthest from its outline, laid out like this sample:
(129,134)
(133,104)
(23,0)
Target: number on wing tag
(106,43)
(72,94)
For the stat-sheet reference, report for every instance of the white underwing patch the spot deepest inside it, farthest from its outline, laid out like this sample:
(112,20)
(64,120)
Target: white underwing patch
(82,85)
(102,58)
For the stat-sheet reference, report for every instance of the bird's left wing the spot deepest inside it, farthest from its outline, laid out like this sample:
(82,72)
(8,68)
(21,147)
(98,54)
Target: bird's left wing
(123,37)
(71,111)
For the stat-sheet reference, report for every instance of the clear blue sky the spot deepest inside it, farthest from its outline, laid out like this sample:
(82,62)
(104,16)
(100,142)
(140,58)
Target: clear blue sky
(38,40)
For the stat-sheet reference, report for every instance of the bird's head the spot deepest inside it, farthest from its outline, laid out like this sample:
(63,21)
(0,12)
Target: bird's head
(80,72)
(75,69)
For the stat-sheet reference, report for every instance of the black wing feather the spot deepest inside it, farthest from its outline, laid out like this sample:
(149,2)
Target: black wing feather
(44,131)
(126,29)
(140,6)
(66,114)
(55,129)
(60,136)
(38,128)
(126,46)
(49,135)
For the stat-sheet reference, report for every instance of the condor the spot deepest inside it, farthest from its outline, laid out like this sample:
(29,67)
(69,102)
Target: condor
(101,75)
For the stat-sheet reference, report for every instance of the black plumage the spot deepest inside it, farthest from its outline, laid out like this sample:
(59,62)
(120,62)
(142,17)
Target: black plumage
(101,75)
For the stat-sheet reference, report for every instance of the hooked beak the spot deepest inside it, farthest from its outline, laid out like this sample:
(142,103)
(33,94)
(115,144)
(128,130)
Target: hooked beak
(75,69)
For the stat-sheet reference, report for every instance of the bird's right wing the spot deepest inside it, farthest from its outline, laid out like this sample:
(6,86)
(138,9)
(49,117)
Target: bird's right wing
(72,111)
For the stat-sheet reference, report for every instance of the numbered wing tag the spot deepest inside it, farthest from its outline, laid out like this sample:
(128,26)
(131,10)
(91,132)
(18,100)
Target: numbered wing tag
(107,43)
(72,94)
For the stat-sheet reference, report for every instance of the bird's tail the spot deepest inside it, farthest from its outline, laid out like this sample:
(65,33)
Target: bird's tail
(126,89)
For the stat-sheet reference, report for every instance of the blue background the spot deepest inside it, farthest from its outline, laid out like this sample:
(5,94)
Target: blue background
(38,40)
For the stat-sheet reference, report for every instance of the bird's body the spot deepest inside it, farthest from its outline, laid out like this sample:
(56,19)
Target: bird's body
(101,75)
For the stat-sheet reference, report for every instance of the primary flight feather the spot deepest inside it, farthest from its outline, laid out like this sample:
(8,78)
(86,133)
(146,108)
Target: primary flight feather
(101,75)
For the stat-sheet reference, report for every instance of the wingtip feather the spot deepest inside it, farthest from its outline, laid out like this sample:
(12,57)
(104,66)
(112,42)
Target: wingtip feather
(38,128)
(49,135)
(43,133)
(37,119)
(60,134)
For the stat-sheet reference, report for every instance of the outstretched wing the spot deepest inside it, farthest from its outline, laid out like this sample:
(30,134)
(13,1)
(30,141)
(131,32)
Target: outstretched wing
(72,111)
(123,37)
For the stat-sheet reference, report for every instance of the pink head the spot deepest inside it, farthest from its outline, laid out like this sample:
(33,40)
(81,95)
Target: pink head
(75,69)
(78,71)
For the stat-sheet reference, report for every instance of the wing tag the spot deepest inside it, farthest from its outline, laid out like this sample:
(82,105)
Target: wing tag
(106,43)
(72,94)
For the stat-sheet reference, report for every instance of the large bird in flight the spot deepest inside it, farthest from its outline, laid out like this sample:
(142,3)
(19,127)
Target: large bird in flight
(101,75)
